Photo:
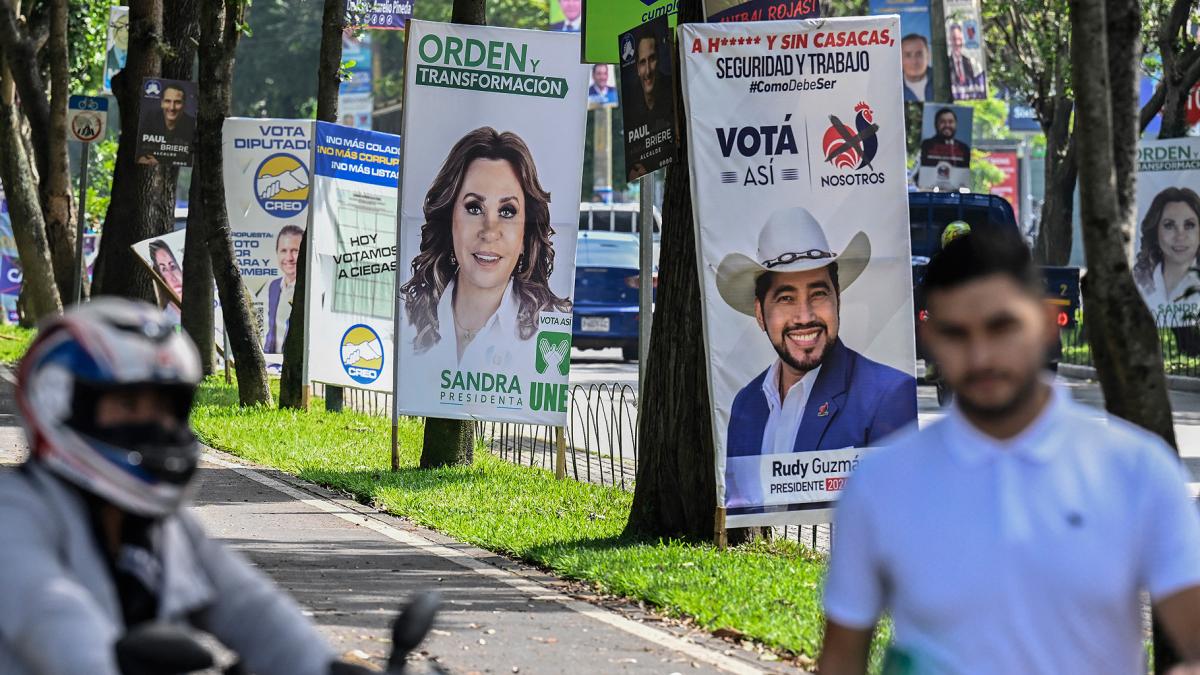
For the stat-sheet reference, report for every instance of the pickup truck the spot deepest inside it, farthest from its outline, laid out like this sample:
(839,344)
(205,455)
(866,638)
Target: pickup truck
(930,212)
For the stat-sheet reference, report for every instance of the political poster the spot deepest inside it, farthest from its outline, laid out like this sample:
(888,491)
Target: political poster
(964,41)
(163,256)
(566,16)
(356,110)
(268,179)
(494,135)
(1010,186)
(1167,240)
(167,122)
(649,112)
(602,87)
(717,11)
(10,264)
(915,38)
(379,14)
(117,46)
(796,134)
(945,159)
(605,20)
(350,296)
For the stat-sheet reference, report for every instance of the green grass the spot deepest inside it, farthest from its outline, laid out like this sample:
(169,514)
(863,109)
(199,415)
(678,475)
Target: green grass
(14,340)
(770,592)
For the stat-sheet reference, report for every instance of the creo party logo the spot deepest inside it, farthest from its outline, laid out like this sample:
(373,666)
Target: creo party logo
(851,149)
(281,185)
(362,353)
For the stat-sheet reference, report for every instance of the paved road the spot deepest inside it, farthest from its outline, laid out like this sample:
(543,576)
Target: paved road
(350,567)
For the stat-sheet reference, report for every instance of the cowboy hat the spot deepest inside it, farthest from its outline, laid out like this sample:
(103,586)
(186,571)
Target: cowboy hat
(791,241)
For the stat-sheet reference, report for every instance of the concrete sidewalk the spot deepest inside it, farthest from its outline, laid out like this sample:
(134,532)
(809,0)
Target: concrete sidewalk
(351,568)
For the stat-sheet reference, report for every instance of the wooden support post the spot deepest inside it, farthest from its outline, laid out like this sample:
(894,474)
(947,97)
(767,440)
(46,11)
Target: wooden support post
(306,396)
(720,534)
(560,455)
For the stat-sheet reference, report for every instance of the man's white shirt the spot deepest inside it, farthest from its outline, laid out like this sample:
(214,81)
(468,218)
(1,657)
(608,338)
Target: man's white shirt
(783,420)
(1025,556)
(283,311)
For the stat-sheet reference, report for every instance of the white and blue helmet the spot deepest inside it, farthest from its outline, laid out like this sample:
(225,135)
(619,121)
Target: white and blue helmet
(103,346)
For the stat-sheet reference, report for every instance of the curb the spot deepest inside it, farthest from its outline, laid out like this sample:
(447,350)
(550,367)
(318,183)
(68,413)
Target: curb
(1174,382)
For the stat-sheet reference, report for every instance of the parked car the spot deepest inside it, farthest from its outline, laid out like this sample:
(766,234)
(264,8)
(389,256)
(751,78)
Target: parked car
(930,212)
(606,292)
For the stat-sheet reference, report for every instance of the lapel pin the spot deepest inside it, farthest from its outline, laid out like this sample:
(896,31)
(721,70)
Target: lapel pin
(823,410)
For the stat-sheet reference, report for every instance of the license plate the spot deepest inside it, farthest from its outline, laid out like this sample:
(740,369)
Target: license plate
(595,324)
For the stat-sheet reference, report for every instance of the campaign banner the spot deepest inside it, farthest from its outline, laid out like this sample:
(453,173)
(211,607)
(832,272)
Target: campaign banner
(566,16)
(117,45)
(604,21)
(796,138)
(717,11)
(379,14)
(1009,188)
(915,37)
(356,110)
(356,49)
(602,87)
(945,159)
(163,256)
(649,112)
(350,296)
(267,175)
(167,122)
(1167,240)
(10,264)
(964,42)
(494,123)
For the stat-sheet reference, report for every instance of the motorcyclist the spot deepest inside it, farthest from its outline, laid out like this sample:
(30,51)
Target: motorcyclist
(93,541)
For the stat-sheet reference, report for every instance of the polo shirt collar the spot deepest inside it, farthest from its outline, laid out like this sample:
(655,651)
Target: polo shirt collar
(1036,443)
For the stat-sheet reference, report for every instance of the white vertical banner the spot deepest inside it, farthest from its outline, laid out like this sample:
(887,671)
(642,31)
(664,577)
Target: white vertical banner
(796,142)
(350,294)
(1166,245)
(267,173)
(494,122)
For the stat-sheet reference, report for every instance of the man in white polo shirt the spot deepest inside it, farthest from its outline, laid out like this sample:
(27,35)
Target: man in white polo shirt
(1015,535)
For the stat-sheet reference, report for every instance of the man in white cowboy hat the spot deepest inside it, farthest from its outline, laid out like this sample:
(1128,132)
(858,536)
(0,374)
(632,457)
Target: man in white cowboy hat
(818,394)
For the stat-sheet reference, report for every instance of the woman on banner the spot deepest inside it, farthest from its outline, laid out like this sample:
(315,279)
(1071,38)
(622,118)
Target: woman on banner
(1165,268)
(482,277)
(165,265)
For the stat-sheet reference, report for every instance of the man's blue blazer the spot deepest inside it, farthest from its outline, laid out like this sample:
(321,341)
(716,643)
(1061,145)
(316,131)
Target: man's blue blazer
(854,403)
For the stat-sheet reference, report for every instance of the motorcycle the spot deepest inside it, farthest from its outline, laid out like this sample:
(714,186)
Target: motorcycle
(160,649)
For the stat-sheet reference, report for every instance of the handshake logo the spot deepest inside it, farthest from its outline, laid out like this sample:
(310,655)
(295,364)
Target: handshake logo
(281,185)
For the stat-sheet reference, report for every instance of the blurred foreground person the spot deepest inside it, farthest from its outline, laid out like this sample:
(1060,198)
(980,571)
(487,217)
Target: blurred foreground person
(93,539)
(1015,535)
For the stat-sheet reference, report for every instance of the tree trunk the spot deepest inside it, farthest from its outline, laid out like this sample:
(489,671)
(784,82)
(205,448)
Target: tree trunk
(452,442)
(220,26)
(675,494)
(1055,228)
(197,315)
(29,230)
(1121,330)
(55,188)
(939,57)
(143,197)
(291,380)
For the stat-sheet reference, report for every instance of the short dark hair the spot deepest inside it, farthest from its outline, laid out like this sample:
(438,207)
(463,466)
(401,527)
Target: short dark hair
(915,36)
(176,87)
(944,111)
(763,283)
(288,231)
(983,254)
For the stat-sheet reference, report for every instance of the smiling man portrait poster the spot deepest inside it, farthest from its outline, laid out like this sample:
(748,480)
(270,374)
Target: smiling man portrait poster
(798,179)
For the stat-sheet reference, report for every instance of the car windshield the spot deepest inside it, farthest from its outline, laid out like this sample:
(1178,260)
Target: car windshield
(607,252)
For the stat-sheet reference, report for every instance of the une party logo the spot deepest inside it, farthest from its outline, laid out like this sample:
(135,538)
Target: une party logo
(281,185)
(553,352)
(852,148)
(362,353)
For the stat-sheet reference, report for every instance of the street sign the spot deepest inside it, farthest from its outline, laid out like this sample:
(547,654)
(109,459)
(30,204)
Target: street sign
(87,117)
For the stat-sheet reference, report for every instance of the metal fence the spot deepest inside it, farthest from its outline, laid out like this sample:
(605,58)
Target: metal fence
(1178,338)
(601,442)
